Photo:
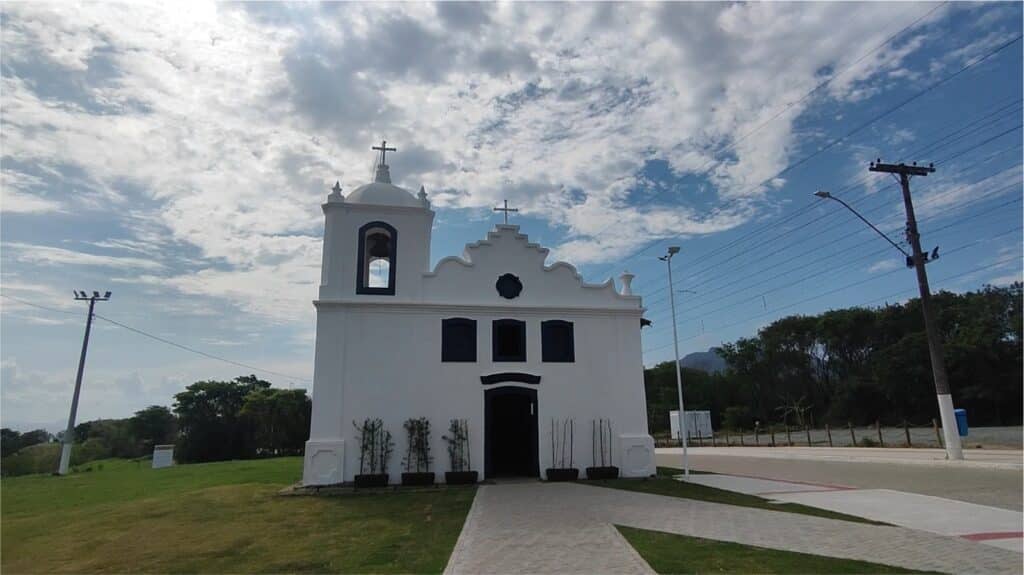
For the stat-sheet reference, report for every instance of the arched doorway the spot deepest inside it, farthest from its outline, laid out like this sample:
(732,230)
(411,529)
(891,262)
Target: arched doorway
(510,432)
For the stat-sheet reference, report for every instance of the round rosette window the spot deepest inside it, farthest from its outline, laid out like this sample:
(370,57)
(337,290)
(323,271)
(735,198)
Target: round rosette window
(509,286)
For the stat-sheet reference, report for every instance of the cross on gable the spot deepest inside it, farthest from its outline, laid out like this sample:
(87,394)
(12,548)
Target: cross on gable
(384,149)
(506,210)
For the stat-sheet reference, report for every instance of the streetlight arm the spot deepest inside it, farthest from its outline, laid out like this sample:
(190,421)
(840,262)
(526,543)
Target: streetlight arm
(863,219)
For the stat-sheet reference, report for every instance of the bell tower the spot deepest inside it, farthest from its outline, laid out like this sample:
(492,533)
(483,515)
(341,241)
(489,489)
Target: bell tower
(376,240)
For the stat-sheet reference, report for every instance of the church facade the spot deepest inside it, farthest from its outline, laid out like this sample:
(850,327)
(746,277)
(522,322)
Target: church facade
(496,338)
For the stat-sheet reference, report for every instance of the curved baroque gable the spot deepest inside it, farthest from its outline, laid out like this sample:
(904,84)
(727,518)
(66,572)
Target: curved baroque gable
(471,278)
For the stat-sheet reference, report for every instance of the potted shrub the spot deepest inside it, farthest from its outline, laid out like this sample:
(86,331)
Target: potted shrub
(601,436)
(458,454)
(375,448)
(563,434)
(417,453)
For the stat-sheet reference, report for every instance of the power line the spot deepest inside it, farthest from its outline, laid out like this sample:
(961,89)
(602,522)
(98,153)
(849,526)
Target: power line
(824,217)
(163,340)
(856,130)
(850,263)
(789,106)
(928,201)
(199,352)
(860,282)
(862,180)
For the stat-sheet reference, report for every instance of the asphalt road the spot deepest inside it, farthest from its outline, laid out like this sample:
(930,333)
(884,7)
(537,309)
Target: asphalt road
(974,484)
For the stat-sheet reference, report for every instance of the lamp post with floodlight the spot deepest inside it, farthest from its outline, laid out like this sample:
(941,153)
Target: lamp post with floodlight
(69,433)
(673,250)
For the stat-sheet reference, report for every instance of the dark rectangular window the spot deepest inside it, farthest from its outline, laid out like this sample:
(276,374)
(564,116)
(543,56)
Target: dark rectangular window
(458,339)
(508,339)
(556,340)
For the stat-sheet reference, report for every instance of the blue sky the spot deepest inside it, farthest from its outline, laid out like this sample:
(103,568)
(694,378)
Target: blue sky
(178,157)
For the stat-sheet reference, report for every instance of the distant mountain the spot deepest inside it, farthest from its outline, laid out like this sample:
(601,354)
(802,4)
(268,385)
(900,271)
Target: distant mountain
(708,361)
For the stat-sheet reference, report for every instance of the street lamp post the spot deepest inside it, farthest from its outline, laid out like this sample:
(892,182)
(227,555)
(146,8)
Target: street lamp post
(917,260)
(673,250)
(69,433)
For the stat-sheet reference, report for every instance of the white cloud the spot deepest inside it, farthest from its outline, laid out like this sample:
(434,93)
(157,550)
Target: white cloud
(48,255)
(885,265)
(231,121)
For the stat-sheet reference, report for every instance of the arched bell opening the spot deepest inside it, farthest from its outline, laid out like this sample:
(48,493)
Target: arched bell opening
(378,247)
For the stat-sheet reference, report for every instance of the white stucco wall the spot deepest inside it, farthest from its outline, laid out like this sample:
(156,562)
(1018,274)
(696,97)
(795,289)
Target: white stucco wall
(380,356)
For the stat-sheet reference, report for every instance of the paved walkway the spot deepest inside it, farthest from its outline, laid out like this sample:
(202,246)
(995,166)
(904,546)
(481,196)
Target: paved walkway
(989,525)
(1012,459)
(970,483)
(568,528)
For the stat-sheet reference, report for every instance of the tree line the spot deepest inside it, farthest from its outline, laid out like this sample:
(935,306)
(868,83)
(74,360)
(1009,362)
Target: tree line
(859,365)
(210,421)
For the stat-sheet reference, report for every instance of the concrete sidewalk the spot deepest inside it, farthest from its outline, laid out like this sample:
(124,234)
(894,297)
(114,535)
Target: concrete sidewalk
(980,458)
(568,528)
(989,525)
(867,468)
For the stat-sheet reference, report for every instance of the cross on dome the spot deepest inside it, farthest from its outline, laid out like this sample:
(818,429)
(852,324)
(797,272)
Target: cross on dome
(384,149)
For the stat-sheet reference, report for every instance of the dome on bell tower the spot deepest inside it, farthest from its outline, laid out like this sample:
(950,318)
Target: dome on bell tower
(381,192)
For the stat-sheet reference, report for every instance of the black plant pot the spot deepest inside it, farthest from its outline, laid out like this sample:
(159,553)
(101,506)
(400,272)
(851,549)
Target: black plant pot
(417,479)
(605,472)
(562,474)
(372,480)
(460,477)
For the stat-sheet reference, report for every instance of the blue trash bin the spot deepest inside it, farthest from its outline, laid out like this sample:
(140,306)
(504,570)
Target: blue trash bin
(961,421)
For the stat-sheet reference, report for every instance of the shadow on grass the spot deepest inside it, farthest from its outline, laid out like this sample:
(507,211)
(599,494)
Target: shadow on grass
(664,484)
(671,553)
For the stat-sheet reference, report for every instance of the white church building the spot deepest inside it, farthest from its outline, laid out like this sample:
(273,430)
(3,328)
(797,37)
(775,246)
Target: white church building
(495,337)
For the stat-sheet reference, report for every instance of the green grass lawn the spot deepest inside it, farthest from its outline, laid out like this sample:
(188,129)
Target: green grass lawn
(663,484)
(219,517)
(670,553)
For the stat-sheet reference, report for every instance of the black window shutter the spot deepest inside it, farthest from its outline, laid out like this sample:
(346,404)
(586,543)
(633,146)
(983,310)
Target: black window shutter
(557,341)
(458,339)
(508,340)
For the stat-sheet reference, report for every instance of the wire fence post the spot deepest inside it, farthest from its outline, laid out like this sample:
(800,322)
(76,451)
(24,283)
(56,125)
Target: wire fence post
(772,431)
(713,439)
(878,428)
(741,438)
(807,430)
(757,435)
(727,438)
(906,430)
(828,431)
(938,434)
(853,436)
(789,438)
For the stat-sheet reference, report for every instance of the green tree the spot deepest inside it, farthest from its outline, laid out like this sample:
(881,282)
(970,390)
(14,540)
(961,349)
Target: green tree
(863,365)
(154,425)
(278,420)
(209,423)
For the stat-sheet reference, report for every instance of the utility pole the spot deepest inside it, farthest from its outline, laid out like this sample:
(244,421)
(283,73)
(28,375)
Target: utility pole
(919,259)
(69,434)
(673,250)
